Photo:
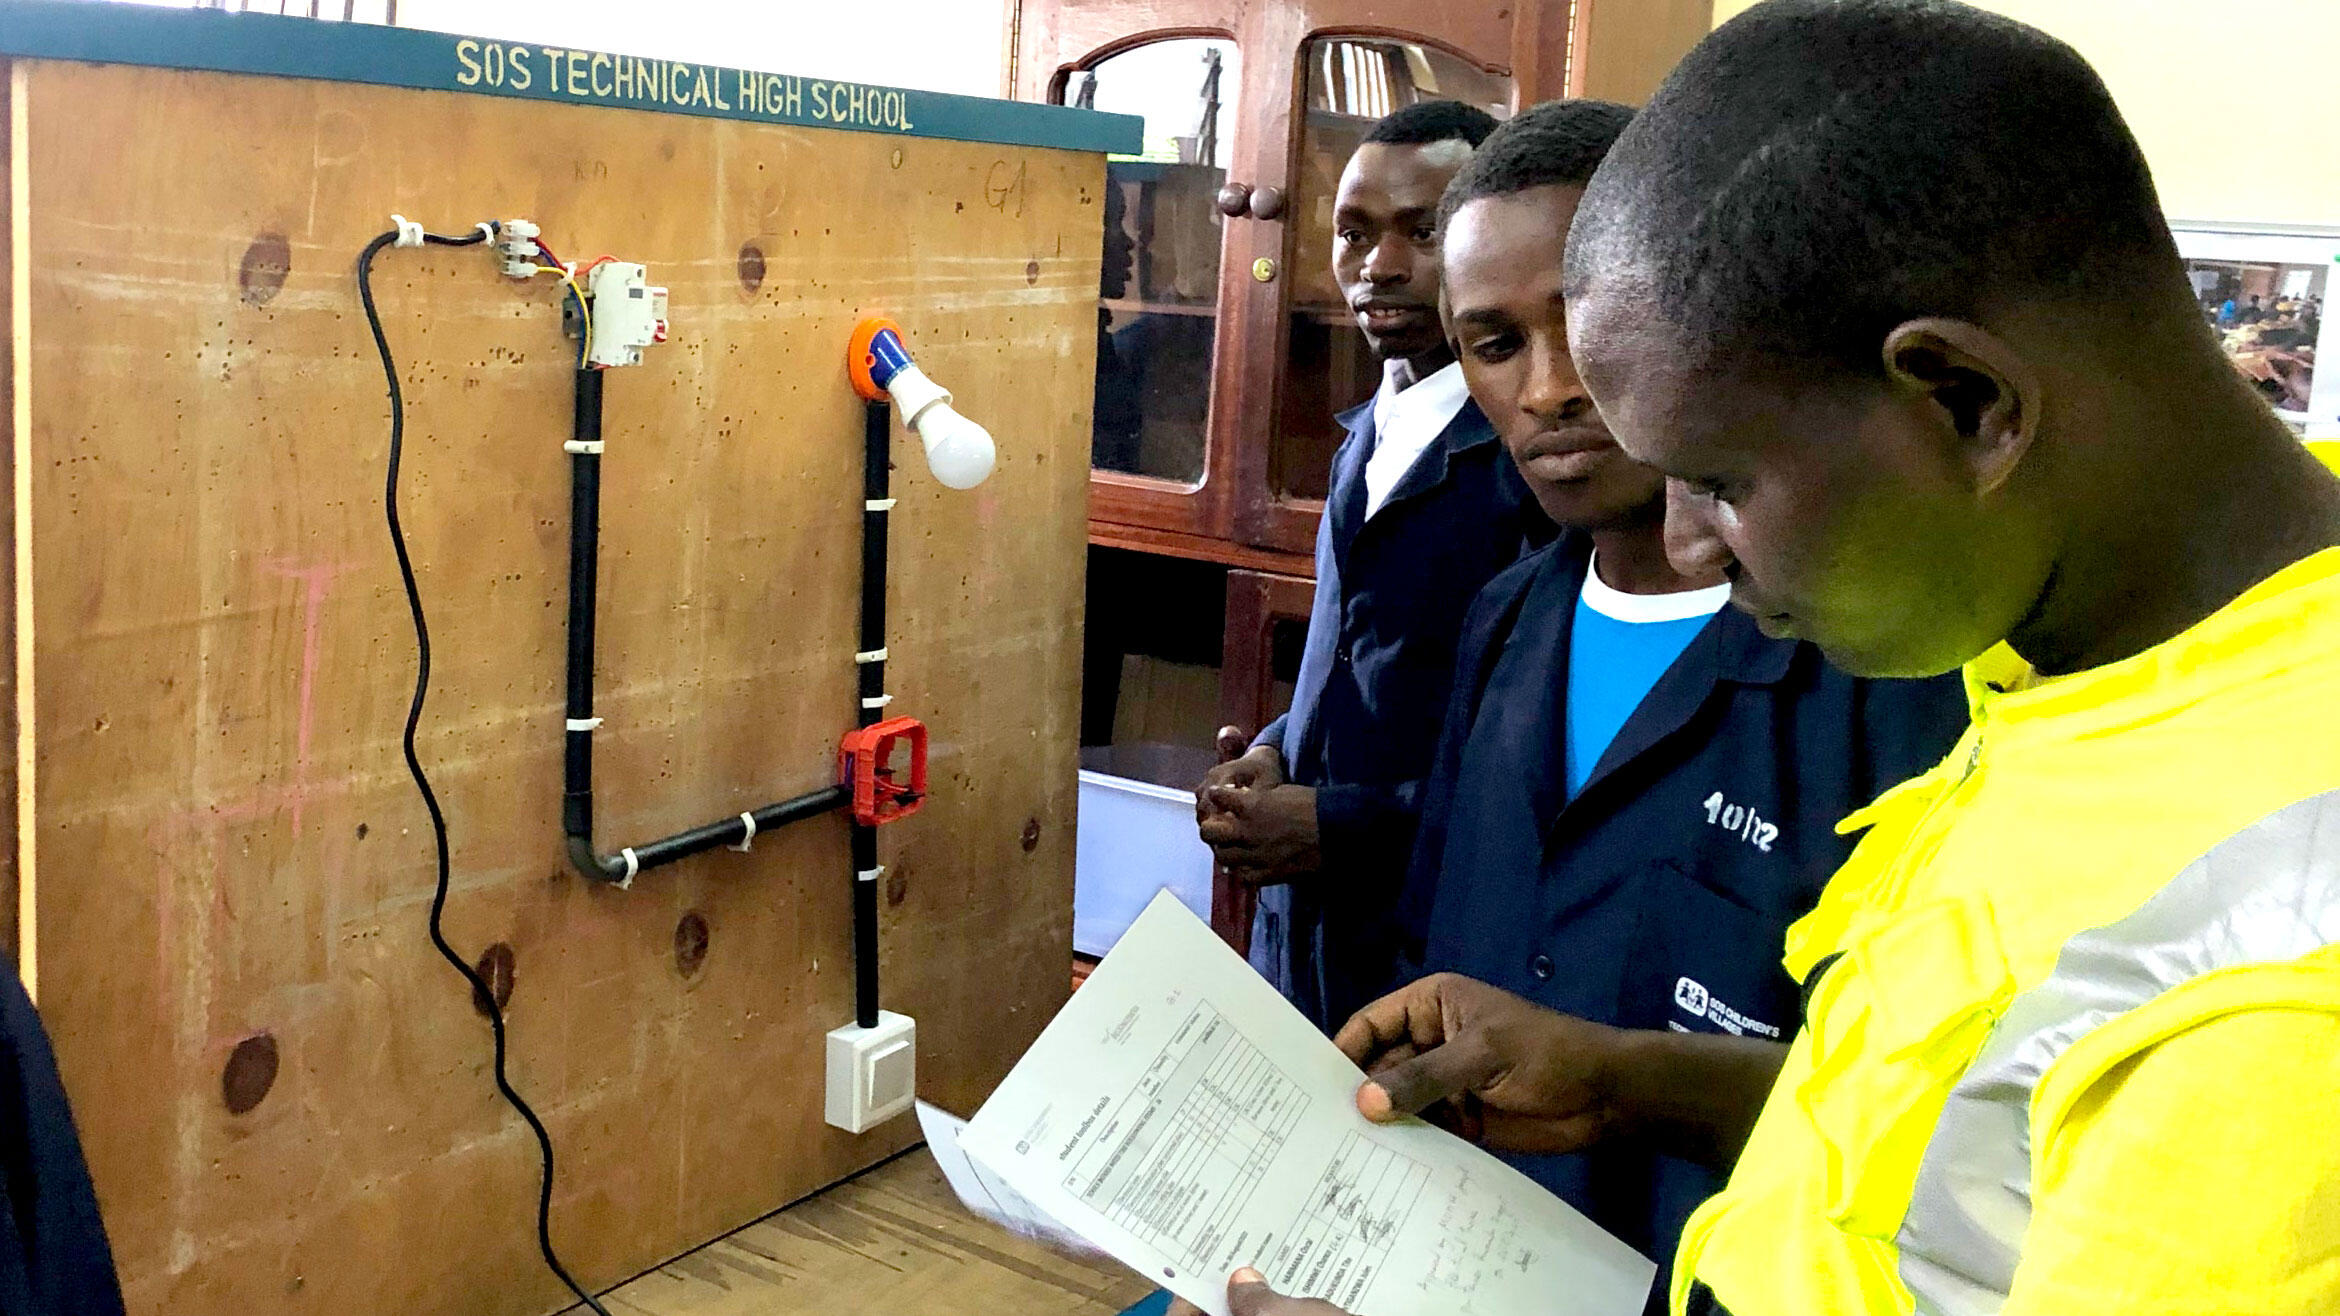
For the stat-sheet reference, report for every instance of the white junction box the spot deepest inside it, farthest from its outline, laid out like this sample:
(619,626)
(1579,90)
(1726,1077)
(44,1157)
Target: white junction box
(873,1072)
(628,314)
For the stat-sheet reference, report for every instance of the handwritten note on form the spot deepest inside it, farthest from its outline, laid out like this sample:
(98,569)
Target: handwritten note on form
(1182,1116)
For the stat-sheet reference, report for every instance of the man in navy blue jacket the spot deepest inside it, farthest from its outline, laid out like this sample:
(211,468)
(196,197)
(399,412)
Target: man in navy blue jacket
(1636,790)
(1424,508)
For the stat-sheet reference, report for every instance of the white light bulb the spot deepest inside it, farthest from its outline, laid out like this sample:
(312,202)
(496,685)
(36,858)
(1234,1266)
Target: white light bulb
(958,451)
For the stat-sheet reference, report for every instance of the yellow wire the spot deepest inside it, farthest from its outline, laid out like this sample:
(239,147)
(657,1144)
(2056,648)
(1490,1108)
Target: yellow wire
(584,308)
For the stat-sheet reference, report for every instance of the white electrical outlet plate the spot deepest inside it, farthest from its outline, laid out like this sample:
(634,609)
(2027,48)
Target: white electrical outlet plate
(873,1072)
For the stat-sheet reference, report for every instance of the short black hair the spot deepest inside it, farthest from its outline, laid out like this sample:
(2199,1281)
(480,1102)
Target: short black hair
(1558,143)
(1424,122)
(1816,172)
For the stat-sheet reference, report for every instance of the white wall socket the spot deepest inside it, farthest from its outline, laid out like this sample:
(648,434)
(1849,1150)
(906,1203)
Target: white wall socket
(873,1072)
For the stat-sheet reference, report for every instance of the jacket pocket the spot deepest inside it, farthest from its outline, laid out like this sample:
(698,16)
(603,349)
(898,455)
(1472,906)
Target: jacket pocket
(1892,1027)
(1704,963)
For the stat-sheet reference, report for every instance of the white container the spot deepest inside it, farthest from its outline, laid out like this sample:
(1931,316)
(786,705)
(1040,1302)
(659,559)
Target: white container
(1135,838)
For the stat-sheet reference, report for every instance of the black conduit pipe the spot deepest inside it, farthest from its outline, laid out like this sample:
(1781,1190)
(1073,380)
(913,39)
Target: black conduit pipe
(577,771)
(876,502)
(584,570)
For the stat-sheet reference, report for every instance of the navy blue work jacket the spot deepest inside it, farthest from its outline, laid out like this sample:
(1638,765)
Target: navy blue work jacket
(54,1259)
(1660,896)
(1374,675)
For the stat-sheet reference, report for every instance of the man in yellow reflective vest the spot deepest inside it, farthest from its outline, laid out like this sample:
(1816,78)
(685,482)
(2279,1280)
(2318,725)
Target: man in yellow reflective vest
(1884,288)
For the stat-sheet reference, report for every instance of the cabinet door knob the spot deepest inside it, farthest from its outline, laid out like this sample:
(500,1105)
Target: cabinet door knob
(1234,199)
(1267,203)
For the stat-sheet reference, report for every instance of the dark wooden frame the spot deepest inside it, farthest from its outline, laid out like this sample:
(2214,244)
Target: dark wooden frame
(1256,602)
(1233,515)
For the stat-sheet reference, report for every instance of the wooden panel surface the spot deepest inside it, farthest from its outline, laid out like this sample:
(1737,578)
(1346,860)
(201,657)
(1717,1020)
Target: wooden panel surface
(894,1241)
(10,358)
(1631,45)
(228,843)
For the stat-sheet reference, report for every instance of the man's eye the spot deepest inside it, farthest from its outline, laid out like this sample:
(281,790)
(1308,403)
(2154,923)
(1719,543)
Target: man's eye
(1425,235)
(1352,237)
(1499,348)
(1711,490)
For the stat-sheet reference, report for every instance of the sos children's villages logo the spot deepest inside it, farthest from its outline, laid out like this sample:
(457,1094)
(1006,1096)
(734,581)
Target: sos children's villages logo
(1691,996)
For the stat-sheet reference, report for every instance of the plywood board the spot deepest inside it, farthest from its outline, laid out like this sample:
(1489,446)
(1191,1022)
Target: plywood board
(12,360)
(228,846)
(893,1240)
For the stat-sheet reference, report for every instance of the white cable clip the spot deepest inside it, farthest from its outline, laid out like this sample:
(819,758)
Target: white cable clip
(868,656)
(584,724)
(577,446)
(879,701)
(633,866)
(410,234)
(487,230)
(877,505)
(747,842)
(871,874)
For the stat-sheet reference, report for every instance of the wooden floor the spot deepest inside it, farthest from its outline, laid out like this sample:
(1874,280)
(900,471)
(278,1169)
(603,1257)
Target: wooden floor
(893,1240)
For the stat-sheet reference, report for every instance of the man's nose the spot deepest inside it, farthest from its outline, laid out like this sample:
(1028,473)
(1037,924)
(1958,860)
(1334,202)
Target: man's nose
(1694,542)
(1390,262)
(1553,392)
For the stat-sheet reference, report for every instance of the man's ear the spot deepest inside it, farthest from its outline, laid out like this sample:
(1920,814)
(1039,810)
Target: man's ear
(1984,391)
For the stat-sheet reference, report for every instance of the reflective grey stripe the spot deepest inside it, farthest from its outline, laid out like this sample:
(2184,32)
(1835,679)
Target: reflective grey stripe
(2267,894)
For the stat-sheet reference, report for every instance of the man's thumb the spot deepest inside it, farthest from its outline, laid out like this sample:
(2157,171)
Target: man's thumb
(1413,1085)
(1232,744)
(1248,1293)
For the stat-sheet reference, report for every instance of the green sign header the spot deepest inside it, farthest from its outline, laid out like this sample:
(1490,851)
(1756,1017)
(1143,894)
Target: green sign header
(267,44)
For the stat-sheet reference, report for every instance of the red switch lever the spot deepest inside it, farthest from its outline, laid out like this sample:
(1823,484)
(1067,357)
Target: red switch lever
(864,762)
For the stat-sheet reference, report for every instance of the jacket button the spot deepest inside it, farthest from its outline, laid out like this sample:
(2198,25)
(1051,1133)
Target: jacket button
(1543,968)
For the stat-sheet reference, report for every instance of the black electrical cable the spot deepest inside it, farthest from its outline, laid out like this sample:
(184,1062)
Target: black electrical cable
(422,683)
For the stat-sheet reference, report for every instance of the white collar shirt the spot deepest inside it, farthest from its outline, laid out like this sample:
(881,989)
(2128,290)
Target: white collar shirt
(1405,423)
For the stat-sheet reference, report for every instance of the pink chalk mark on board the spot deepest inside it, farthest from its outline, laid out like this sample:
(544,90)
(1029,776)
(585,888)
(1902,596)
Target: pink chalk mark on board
(192,844)
(316,582)
(192,847)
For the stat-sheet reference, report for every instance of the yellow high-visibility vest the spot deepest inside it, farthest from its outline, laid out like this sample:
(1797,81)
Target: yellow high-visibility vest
(2106,860)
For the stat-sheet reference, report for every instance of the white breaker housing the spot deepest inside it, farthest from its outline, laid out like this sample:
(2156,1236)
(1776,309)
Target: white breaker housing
(628,314)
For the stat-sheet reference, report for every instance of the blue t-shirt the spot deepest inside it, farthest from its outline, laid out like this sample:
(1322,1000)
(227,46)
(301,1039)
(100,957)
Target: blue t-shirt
(1618,646)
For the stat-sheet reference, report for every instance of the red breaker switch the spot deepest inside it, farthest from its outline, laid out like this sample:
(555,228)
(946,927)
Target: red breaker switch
(865,763)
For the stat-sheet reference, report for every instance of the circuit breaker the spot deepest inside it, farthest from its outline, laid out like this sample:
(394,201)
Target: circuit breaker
(628,314)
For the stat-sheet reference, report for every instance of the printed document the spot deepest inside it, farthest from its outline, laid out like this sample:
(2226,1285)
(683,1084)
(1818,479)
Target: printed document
(982,1192)
(1182,1116)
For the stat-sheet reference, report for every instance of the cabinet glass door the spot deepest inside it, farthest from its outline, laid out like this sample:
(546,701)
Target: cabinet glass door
(1158,292)
(1349,83)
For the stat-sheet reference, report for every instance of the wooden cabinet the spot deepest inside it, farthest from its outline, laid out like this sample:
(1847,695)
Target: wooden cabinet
(1266,622)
